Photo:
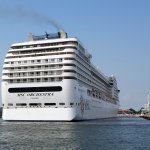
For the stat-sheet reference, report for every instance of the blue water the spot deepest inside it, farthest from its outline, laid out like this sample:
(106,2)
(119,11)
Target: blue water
(105,134)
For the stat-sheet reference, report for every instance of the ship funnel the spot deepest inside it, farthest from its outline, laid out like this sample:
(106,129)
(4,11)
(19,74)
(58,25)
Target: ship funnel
(62,34)
(30,37)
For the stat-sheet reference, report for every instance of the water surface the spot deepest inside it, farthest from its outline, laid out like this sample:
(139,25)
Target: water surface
(104,134)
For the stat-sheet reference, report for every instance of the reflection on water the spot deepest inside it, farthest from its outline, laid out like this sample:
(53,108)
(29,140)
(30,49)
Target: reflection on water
(105,134)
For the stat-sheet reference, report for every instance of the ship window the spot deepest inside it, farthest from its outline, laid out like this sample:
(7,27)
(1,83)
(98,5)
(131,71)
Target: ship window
(11,75)
(31,73)
(52,60)
(35,89)
(45,72)
(59,59)
(88,92)
(35,104)
(37,73)
(18,80)
(58,79)
(52,79)
(45,79)
(49,104)
(70,78)
(24,80)
(71,103)
(61,103)
(10,104)
(50,72)
(32,61)
(38,80)
(46,60)
(59,72)
(24,74)
(69,71)
(69,65)
(21,104)
(111,83)
(39,67)
(38,61)
(32,80)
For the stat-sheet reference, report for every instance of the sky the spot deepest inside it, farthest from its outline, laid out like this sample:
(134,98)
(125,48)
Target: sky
(115,32)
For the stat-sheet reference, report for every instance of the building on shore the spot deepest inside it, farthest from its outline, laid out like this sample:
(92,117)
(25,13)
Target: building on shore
(146,108)
(148,104)
(125,111)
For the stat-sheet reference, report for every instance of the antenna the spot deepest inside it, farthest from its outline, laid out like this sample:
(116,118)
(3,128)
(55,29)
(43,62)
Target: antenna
(46,35)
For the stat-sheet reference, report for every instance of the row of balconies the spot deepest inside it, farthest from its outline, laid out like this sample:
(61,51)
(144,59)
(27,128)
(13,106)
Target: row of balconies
(71,74)
(30,80)
(38,61)
(38,68)
(39,79)
(35,51)
(40,51)
(43,46)
(59,72)
(41,55)
(34,61)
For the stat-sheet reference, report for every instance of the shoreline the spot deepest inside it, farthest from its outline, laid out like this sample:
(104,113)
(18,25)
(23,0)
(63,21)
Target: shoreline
(146,117)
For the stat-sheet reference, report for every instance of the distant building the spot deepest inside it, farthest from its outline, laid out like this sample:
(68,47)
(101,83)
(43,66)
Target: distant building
(125,111)
(147,106)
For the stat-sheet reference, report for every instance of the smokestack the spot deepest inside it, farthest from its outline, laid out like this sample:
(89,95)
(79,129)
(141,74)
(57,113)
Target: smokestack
(30,37)
(62,34)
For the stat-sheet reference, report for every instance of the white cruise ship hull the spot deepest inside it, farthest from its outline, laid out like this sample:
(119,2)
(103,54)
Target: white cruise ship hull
(39,114)
(84,107)
(58,114)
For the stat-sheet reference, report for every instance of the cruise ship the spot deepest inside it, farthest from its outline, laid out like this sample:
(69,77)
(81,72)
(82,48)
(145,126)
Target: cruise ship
(51,78)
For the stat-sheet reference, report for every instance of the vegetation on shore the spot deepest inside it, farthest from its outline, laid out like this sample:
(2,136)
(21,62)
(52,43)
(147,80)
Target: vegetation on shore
(136,112)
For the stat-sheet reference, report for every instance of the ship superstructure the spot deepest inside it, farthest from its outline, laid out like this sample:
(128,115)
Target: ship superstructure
(51,77)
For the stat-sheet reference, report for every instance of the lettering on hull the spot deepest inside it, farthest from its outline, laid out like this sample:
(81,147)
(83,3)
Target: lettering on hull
(35,94)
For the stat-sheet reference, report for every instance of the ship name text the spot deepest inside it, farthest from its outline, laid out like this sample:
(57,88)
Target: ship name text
(35,94)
